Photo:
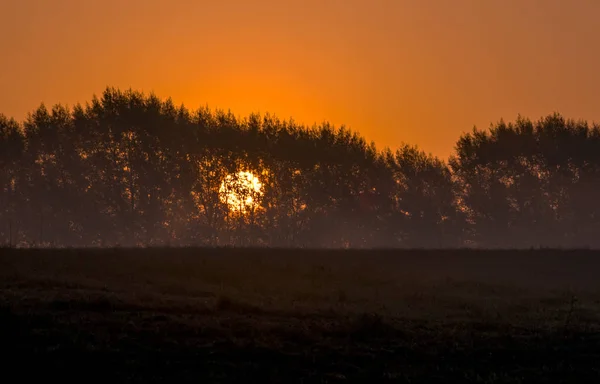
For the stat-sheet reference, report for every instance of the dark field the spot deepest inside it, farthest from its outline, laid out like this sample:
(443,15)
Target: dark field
(197,315)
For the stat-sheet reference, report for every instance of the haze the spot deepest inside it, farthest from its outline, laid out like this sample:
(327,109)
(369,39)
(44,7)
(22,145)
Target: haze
(397,71)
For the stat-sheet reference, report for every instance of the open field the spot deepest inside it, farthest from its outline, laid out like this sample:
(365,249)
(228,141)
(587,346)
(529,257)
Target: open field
(292,316)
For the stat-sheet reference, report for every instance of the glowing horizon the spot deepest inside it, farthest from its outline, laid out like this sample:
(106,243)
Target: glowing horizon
(395,71)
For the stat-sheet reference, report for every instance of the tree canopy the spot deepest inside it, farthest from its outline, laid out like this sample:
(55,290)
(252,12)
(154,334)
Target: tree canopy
(132,169)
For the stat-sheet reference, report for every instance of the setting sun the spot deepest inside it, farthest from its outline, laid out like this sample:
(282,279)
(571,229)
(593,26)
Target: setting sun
(241,191)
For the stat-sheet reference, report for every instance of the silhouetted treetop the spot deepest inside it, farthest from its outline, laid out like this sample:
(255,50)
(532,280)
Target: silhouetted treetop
(133,169)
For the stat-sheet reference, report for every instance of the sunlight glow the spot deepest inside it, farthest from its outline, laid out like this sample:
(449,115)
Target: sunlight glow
(241,192)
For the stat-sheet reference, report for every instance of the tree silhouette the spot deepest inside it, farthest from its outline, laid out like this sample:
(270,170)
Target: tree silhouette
(131,169)
(530,183)
(12,145)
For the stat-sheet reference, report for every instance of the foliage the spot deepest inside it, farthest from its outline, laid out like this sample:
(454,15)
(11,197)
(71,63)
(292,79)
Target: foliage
(131,169)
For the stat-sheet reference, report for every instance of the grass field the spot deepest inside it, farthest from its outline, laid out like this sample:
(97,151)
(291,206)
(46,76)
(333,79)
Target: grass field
(300,316)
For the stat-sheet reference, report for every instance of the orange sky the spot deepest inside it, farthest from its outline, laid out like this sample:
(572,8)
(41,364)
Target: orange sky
(418,71)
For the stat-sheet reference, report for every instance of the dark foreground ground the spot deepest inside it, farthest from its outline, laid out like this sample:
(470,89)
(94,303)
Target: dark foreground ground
(220,316)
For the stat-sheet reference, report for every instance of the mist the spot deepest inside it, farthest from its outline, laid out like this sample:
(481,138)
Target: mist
(130,169)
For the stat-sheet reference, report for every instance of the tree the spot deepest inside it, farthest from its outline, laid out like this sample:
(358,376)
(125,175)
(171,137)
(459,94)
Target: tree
(426,211)
(132,169)
(530,183)
(12,145)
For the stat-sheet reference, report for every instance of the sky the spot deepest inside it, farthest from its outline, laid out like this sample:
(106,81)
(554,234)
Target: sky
(397,71)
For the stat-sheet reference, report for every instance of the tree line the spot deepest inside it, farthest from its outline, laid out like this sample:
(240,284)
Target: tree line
(131,169)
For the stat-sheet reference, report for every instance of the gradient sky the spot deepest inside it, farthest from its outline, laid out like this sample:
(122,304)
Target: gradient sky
(418,71)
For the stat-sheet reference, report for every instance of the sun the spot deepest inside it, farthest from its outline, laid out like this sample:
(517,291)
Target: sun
(241,191)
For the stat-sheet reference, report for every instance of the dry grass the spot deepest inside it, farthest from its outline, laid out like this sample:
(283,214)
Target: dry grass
(304,316)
